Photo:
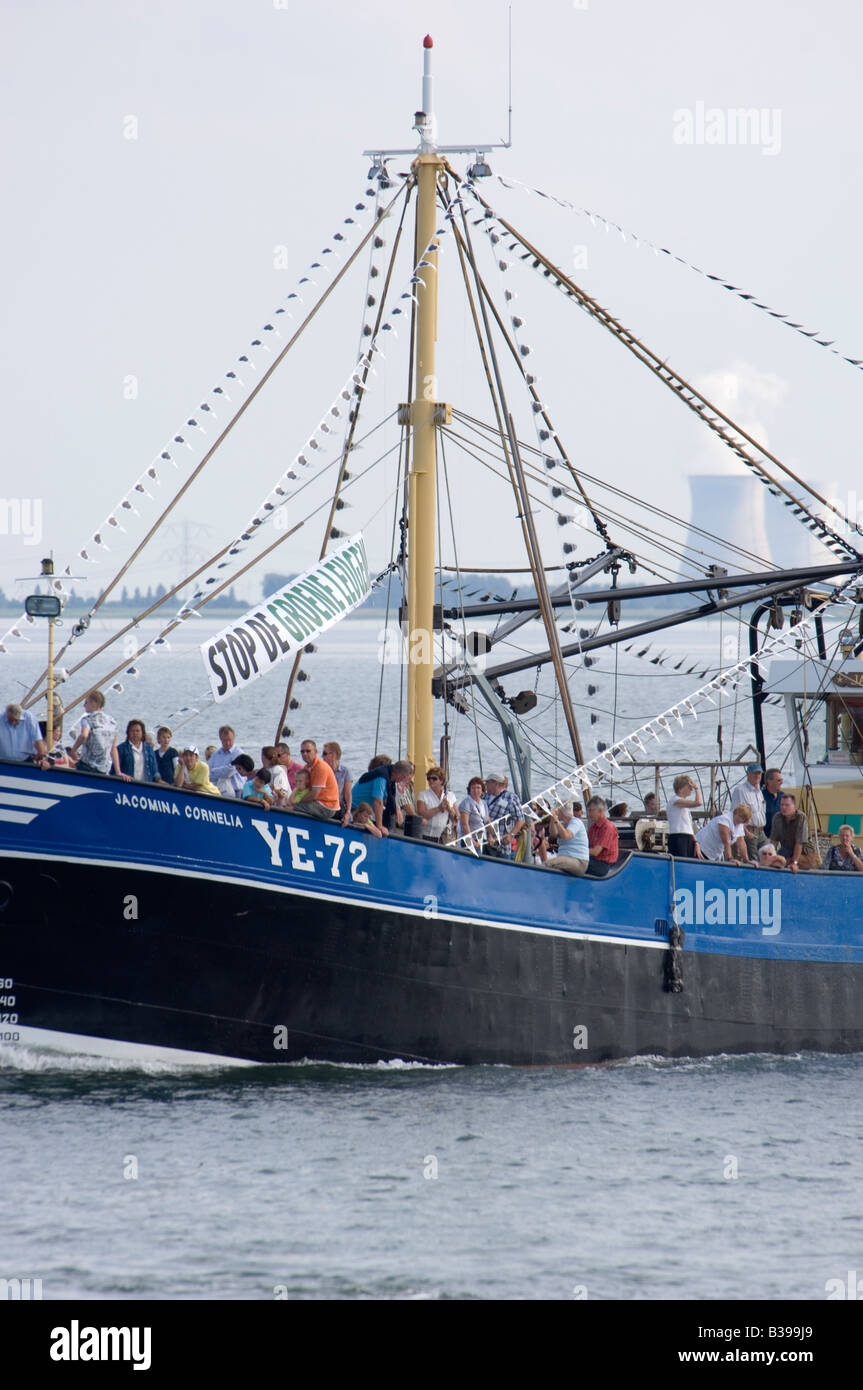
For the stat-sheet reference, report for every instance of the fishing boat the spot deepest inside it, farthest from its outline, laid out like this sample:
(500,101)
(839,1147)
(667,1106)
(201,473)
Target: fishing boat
(141,920)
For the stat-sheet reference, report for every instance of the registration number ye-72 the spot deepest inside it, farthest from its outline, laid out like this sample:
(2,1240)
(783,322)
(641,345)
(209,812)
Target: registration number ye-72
(305,860)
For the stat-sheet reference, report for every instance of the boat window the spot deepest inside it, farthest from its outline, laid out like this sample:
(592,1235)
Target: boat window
(844,730)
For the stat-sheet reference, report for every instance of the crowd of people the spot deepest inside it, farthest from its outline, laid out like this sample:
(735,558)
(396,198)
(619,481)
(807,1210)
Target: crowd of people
(321,786)
(762,827)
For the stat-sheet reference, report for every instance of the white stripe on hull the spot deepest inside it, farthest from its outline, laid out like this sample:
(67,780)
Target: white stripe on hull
(33,803)
(66,788)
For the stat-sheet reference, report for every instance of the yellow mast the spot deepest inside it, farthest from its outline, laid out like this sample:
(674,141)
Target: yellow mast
(423,415)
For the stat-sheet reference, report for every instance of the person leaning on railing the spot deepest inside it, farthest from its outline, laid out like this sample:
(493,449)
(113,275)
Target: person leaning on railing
(380,787)
(20,735)
(718,838)
(790,834)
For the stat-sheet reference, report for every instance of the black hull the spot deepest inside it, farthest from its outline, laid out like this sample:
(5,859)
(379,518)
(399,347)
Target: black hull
(246,973)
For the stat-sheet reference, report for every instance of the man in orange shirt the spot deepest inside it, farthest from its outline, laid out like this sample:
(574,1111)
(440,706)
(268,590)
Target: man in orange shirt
(323,798)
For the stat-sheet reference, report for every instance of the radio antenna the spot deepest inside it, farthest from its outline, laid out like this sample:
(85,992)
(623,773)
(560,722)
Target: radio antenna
(425,126)
(508,142)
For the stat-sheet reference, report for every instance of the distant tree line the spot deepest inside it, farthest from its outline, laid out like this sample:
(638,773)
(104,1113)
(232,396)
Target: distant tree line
(474,588)
(126,603)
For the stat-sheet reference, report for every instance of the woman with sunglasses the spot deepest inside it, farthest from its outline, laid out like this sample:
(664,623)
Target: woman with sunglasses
(438,808)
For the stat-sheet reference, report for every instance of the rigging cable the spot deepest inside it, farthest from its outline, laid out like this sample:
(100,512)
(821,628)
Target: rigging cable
(691,397)
(226,583)
(237,574)
(391,569)
(221,437)
(477,425)
(460,591)
(719,280)
(369,300)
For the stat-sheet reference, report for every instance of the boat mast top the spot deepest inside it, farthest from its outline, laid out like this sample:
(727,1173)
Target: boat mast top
(425,122)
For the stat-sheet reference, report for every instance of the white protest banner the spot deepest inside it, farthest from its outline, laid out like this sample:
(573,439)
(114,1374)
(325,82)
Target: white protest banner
(283,623)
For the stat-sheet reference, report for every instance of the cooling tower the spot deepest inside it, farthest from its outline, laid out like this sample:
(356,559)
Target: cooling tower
(730,506)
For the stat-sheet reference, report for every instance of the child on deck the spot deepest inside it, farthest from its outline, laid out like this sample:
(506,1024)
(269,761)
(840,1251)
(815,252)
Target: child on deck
(364,820)
(301,787)
(257,791)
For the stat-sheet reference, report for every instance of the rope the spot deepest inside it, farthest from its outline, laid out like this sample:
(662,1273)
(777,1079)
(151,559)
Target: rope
(477,426)
(390,570)
(139,617)
(460,590)
(214,593)
(238,414)
(691,397)
(537,402)
(355,414)
(813,335)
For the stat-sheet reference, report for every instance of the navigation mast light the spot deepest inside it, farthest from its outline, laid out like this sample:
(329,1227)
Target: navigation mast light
(42,606)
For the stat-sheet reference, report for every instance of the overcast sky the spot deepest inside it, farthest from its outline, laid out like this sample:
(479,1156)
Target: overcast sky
(157,157)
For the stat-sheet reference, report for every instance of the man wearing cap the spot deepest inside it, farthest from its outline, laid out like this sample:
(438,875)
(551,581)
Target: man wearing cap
(199,773)
(749,794)
(20,735)
(504,808)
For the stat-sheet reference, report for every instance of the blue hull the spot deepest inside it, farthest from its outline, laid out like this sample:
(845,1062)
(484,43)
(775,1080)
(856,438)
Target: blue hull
(153,918)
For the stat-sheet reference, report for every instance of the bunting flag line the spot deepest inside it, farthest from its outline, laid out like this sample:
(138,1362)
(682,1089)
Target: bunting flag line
(813,335)
(343,403)
(546,434)
(370,303)
(598,768)
(327,259)
(343,407)
(730,434)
